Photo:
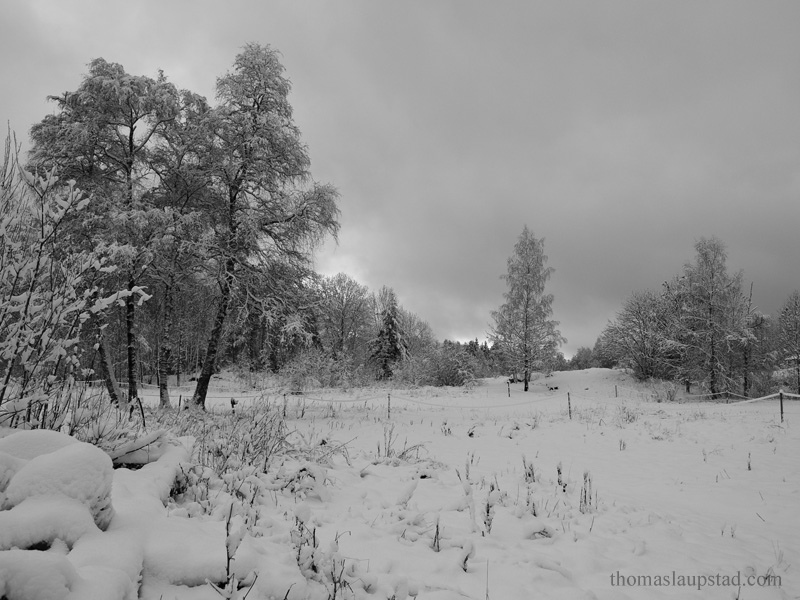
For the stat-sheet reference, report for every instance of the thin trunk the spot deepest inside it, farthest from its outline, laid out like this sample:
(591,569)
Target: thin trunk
(130,308)
(107,371)
(746,381)
(713,371)
(164,350)
(797,371)
(178,362)
(201,390)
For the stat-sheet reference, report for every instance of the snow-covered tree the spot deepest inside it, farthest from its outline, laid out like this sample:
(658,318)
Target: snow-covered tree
(100,137)
(48,294)
(522,328)
(345,316)
(639,337)
(389,346)
(266,206)
(708,296)
(789,335)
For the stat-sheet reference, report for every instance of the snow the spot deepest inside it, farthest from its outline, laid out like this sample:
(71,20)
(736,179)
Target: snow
(39,575)
(45,519)
(30,444)
(77,470)
(454,495)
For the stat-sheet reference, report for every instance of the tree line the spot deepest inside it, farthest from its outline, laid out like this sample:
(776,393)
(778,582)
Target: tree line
(703,330)
(174,225)
(151,235)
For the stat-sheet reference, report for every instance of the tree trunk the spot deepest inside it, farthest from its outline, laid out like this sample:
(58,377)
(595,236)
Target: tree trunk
(130,308)
(746,380)
(164,351)
(201,390)
(178,362)
(713,370)
(797,371)
(107,371)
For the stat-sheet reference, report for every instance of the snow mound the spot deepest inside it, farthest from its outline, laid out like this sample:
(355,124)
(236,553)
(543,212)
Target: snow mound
(44,520)
(77,470)
(27,575)
(9,465)
(59,496)
(35,442)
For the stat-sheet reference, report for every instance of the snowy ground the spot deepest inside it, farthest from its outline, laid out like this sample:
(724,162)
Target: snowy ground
(445,495)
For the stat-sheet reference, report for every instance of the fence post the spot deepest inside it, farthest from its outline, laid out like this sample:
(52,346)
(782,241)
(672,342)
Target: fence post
(616,393)
(569,406)
(284,405)
(389,406)
(508,383)
(781,397)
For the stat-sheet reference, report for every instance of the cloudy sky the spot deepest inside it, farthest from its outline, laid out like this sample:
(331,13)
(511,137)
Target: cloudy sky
(621,132)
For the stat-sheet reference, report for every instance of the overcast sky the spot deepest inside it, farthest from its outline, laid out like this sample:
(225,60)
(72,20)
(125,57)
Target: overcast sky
(621,132)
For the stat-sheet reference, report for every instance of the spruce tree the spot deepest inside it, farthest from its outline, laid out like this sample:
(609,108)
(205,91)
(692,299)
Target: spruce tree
(388,347)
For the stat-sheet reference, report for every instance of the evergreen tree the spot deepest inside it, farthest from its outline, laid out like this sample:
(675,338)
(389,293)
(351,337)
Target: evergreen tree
(389,347)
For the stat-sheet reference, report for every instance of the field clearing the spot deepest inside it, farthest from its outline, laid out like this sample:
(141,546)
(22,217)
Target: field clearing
(683,488)
(467,493)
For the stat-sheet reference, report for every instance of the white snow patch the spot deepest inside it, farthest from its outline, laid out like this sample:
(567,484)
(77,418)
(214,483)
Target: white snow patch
(45,519)
(35,442)
(79,471)
(33,575)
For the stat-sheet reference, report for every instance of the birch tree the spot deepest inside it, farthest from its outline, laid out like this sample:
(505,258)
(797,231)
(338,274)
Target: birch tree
(267,208)
(523,329)
(707,296)
(100,136)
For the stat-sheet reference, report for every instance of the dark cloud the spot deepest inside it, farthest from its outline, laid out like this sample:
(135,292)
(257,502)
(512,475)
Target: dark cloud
(621,132)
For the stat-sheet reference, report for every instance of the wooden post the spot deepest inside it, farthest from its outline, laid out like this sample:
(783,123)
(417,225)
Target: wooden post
(508,383)
(781,397)
(284,406)
(616,393)
(389,406)
(569,406)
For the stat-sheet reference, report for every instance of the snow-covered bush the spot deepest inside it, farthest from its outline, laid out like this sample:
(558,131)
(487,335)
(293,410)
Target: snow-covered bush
(315,368)
(444,365)
(47,295)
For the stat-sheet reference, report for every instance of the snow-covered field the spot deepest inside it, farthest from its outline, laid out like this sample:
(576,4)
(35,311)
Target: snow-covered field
(434,494)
